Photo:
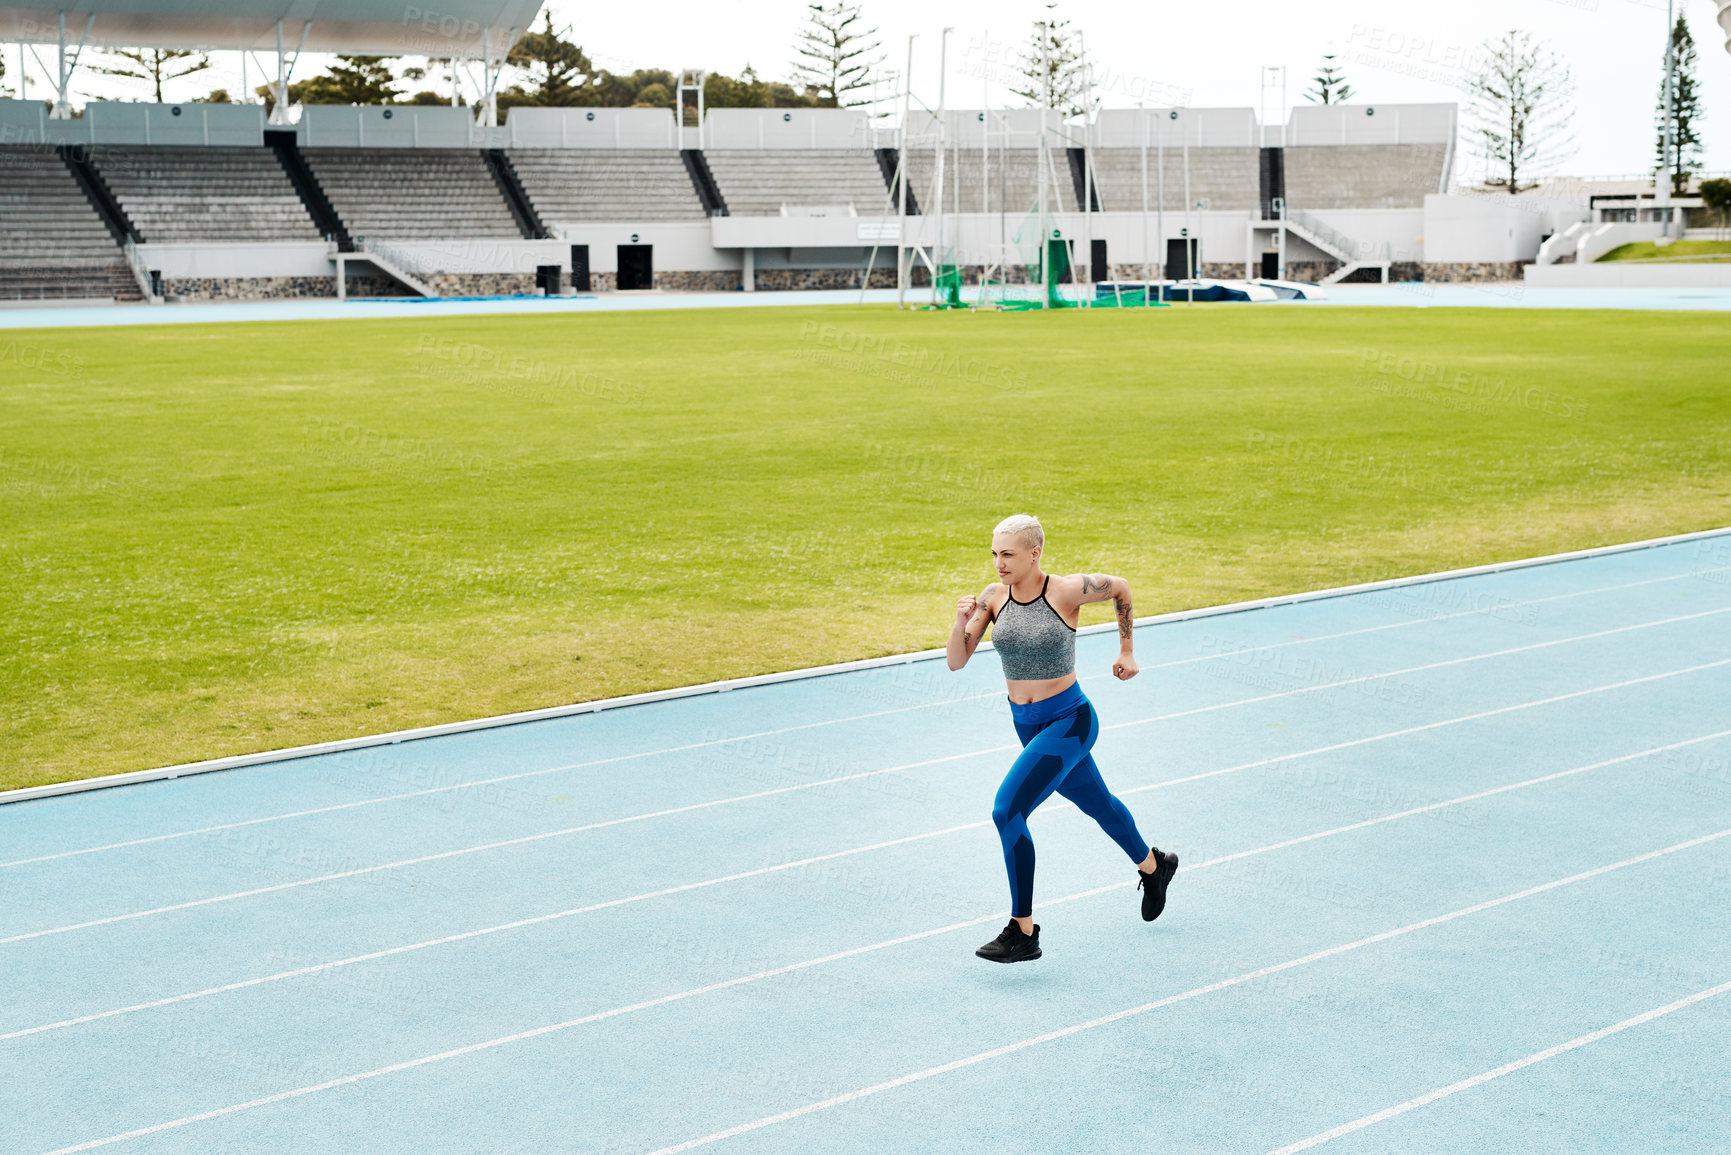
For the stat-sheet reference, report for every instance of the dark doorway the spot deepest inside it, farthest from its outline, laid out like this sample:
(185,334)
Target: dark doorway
(1178,267)
(548,278)
(636,267)
(1270,266)
(580,268)
(1098,269)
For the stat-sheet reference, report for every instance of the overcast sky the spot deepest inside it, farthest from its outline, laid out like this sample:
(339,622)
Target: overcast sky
(1194,54)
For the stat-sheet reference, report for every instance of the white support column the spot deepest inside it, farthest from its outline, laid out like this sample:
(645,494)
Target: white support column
(748,271)
(65,67)
(488,113)
(285,68)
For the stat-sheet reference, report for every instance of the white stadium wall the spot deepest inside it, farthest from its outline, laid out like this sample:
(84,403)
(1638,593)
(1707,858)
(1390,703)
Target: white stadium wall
(614,128)
(104,122)
(786,128)
(1320,124)
(1491,229)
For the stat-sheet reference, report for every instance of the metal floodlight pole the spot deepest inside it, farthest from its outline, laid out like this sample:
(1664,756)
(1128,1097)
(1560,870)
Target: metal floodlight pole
(902,190)
(1160,211)
(1044,161)
(1087,171)
(943,75)
(1142,120)
(988,258)
(1190,221)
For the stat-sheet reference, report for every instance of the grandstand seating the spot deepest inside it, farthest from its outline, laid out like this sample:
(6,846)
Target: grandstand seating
(568,185)
(758,182)
(52,240)
(205,194)
(1221,179)
(1013,187)
(413,194)
(1363,176)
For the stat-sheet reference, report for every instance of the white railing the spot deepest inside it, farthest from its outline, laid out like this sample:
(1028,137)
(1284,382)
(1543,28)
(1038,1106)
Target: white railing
(140,273)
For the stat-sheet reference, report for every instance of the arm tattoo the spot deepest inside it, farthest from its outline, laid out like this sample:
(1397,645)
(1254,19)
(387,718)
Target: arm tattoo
(1125,619)
(1095,581)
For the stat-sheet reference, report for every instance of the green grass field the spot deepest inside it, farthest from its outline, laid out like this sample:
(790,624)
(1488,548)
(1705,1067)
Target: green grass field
(244,536)
(1700,251)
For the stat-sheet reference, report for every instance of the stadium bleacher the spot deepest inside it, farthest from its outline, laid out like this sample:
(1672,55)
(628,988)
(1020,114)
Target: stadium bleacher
(413,194)
(1363,176)
(206,194)
(217,200)
(53,243)
(1010,184)
(758,182)
(568,185)
(1220,178)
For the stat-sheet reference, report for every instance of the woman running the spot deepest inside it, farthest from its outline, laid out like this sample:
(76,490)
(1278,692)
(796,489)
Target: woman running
(1034,636)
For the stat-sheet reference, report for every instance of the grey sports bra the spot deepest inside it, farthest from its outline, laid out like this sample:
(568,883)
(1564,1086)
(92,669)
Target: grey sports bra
(1033,641)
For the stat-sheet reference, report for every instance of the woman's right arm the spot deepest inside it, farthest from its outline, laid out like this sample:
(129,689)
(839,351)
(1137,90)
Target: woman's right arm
(972,616)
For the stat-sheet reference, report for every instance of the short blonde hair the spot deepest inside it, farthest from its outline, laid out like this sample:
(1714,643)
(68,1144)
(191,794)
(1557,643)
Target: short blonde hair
(1026,527)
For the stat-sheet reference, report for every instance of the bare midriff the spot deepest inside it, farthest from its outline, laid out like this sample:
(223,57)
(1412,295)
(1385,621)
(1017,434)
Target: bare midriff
(1023,691)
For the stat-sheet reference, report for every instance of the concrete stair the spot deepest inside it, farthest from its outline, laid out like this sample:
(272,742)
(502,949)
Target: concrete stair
(758,182)
(205,194)
(413,194)
(573,185)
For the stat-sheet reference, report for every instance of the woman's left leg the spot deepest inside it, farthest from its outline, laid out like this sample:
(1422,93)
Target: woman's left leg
(1084,786)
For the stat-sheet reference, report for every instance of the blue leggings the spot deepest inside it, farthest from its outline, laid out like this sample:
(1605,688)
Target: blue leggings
(1057,734)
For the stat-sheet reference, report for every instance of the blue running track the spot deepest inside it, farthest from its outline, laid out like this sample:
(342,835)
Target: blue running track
(1456,876)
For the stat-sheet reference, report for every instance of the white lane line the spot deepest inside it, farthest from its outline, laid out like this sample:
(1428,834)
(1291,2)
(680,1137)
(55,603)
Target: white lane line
(1498,1072)
(474,850)
(545,918)
(1420,669)
(826,722)
(928,1073)
(1163,784)
(528,838)
(478,782)
(1130,1012)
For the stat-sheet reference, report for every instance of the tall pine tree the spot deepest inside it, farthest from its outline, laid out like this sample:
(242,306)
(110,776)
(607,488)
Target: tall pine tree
(1685,158)
(836,54)
(1330,81)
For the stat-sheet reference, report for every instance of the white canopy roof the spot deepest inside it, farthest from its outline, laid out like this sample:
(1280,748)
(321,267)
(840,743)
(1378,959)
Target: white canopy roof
(373,27)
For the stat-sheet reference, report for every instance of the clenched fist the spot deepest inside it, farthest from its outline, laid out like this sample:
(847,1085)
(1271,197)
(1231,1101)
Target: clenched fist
(965,609)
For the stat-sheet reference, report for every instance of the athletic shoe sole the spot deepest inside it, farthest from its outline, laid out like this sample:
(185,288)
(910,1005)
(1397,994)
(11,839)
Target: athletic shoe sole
(1017,959)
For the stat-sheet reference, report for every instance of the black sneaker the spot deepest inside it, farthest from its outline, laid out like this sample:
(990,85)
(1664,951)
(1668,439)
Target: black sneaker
(1154,885)
(1012,945)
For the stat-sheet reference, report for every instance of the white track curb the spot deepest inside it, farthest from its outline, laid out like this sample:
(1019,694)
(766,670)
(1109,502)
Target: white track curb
(397,736)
